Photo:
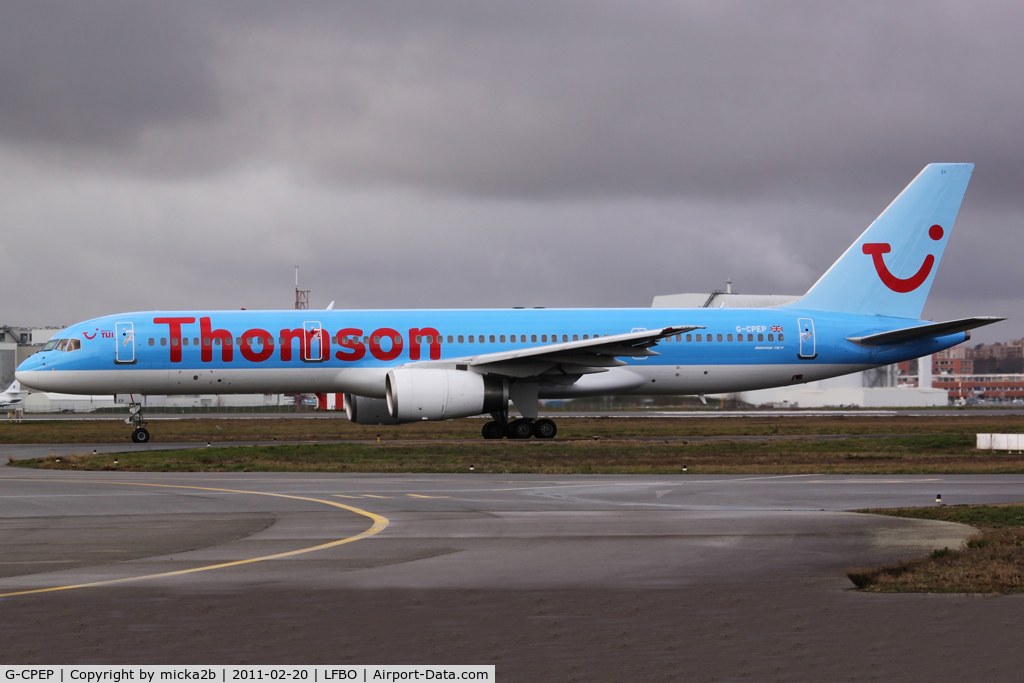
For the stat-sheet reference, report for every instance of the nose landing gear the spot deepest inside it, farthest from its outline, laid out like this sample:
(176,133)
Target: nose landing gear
(139,434)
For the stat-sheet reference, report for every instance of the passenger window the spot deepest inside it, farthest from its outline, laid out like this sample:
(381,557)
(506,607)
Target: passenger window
(174,341)
(543,337)
(53,343)
(760,337)
(151,341)
(502,339)
(216,341)
(471,338)
(450,339)
(565,337)
(74,344)
(709,337)
(679,337)
(366,339)
(206,341)
(575,337)
(533,339)
(719,337)
(699,338)
(492,338)
(728,338)
(184,341)
(163,341)
(586,336)
(462,339)
(771,337)
(780,336)
(690,337)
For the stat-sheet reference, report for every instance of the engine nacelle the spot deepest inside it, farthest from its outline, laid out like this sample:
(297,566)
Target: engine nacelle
(369,411)
(426,394)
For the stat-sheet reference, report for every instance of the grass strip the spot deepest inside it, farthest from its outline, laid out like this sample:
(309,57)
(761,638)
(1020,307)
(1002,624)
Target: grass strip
(991,562)
(338,428)
(950,453)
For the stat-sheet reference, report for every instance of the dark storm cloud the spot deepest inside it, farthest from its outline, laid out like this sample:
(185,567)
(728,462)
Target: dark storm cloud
(95,74)
(470,153)
(531,98)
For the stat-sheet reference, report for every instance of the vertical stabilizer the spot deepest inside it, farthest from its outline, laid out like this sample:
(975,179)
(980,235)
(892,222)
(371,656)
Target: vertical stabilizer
(890,268)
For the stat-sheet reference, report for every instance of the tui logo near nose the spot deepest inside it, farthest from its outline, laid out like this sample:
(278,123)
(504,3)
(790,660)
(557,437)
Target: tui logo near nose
(902,286)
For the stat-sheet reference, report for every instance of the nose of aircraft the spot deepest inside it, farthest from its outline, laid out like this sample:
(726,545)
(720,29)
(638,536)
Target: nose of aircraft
(30,369)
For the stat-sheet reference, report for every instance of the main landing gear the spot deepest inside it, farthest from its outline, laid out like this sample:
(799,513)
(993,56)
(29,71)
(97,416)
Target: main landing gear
(139,434)
(522,428)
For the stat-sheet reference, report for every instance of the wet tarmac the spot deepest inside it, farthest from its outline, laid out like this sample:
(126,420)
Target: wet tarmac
(596,578)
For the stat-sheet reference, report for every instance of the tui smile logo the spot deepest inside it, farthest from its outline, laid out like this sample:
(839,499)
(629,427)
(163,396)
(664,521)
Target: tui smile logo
(876,249)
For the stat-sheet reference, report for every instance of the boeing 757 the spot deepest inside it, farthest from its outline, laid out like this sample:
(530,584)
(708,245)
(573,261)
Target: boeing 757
(397,366)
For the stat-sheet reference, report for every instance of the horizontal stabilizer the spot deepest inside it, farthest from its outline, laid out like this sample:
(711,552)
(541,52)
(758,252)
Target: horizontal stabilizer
(909,334)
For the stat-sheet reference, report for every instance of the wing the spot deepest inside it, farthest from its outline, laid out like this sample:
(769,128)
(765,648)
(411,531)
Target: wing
(566,359)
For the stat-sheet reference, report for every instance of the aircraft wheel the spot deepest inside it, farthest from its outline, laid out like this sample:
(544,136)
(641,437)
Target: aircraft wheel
(493,430)
(140,435)
(544,429)
(520,429)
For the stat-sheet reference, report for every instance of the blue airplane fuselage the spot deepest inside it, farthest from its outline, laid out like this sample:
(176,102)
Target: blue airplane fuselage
(738,349)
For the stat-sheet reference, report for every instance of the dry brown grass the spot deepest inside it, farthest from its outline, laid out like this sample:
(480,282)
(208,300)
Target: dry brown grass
(991,562)
(885,455)
(166,429)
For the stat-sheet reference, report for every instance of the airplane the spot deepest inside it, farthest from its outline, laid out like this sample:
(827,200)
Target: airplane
(14,397)
(400,366)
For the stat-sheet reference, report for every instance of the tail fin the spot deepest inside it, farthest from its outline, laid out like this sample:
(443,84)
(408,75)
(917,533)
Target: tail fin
(890,268)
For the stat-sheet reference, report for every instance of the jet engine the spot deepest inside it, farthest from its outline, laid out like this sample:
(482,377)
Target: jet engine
(369,411)
(427,394)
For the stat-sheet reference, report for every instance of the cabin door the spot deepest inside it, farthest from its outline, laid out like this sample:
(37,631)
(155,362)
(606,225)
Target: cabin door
(808,343)
(314,350)
(124,338)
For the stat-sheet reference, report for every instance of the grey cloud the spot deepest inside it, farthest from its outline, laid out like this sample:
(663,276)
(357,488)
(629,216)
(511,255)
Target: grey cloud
(96,74)
(533,99)
(494,154)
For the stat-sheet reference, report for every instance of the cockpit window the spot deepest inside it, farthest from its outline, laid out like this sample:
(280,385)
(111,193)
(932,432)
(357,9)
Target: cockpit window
(62,344)
(50,344)
(74,344)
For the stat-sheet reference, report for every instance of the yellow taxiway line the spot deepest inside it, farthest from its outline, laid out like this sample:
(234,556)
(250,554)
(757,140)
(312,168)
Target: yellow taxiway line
(379,524)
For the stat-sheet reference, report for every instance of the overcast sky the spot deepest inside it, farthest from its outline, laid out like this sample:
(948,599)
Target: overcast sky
(462,154)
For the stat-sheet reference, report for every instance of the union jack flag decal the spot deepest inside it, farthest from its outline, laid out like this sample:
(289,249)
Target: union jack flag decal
(776,328)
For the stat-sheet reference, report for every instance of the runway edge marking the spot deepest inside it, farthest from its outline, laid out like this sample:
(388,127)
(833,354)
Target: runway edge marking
(379,524)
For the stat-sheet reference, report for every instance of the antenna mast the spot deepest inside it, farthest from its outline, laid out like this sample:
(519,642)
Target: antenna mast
(301,295)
